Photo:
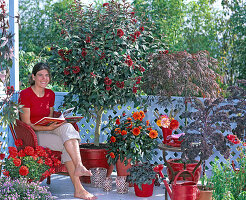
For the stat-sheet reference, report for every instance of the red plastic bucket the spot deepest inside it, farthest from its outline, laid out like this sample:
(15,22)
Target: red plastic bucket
(147,190)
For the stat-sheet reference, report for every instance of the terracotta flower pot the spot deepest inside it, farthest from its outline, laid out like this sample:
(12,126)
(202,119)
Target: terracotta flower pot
(147,190)
(180,166)
(206,195)
(121,168)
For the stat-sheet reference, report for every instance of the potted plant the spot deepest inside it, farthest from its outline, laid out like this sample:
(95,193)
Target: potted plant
(130,140)
(101,57)
(21,189)
(228,182)
(32,164)
(142,175)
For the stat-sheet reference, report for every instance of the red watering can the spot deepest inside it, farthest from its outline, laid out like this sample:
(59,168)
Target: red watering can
(186,190)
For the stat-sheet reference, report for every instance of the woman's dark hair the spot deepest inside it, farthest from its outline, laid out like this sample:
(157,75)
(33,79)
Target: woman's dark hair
(38,67)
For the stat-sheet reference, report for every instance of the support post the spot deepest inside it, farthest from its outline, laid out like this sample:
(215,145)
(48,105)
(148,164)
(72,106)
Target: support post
(14,29)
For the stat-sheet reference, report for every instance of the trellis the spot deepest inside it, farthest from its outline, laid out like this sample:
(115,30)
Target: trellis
(87,127)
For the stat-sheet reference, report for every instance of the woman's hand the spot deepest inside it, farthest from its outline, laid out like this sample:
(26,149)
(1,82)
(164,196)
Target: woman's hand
(54,125)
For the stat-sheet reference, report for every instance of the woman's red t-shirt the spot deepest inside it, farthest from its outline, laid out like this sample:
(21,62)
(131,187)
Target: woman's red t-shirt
(39,106)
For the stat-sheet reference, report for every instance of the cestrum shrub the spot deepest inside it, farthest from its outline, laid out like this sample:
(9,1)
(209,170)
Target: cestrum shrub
(101,57)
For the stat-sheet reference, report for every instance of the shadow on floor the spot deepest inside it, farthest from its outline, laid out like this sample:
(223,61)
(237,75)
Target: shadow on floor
(61,187)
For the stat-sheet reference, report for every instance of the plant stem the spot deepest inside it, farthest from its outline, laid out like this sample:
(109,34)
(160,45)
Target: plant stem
(98,125)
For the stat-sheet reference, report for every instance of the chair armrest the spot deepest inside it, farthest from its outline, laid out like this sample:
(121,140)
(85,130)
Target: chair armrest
(26,134)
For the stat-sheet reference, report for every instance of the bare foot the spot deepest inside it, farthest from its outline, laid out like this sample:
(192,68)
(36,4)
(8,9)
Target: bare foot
(80,170)
(85,195)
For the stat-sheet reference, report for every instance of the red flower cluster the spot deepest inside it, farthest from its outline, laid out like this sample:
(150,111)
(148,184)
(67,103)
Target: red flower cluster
(134,89)
(164,52)
(141,28)
(120,84)
(105,4)
(76,69)
(107,81)
(120,33)
(88,39)
(63,53)
(25,159)
(83,53)
(102,56)
(10,90)
(66,71)
(174,124)
(128,61)
(233,138)
(2,156)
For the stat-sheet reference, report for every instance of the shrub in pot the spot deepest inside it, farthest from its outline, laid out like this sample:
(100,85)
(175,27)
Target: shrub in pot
(101,56)
(131,137)
(142,175)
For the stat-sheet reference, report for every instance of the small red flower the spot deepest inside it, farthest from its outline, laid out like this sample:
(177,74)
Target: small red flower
(138,80)
(83,53)
(141,28)
(112,155)
(120,33)
(117,121)
(40,161)
(136,131)
(29,151)
(49,162)
(137,33)
(120,84)
(134,89)
(92,74)
(107,81)
(134,21)
(88,39)
(76,69)
(102,56)
(2,156)
(123,132)
(23,171)
(105,4)
(96,48)
(113,139)
(132,14)
(21,153)
(128,61)
(18,142)
(174,124)
(6,173)
(141,69)
(108,88)
(66,72)
(12,152)
(17,162)
(123,114)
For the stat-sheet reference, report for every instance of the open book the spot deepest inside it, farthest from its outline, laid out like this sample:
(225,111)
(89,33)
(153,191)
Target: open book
(45,121)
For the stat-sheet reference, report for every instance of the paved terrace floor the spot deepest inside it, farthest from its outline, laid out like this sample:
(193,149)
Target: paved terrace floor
(61,188)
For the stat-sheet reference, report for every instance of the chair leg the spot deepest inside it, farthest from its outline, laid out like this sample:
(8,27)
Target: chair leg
(48,180)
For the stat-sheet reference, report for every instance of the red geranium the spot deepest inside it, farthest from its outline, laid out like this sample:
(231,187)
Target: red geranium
(112,155)
(23,170)
(12,152)
(134,89)
(17,162)
(66,72)
(21,153)
(29,151)
(49,162)
(113,139)
(141,28)
(18,143)
(137,33)
(88,39)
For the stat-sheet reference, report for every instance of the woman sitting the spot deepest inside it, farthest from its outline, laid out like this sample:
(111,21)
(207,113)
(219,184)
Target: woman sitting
(38,102)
